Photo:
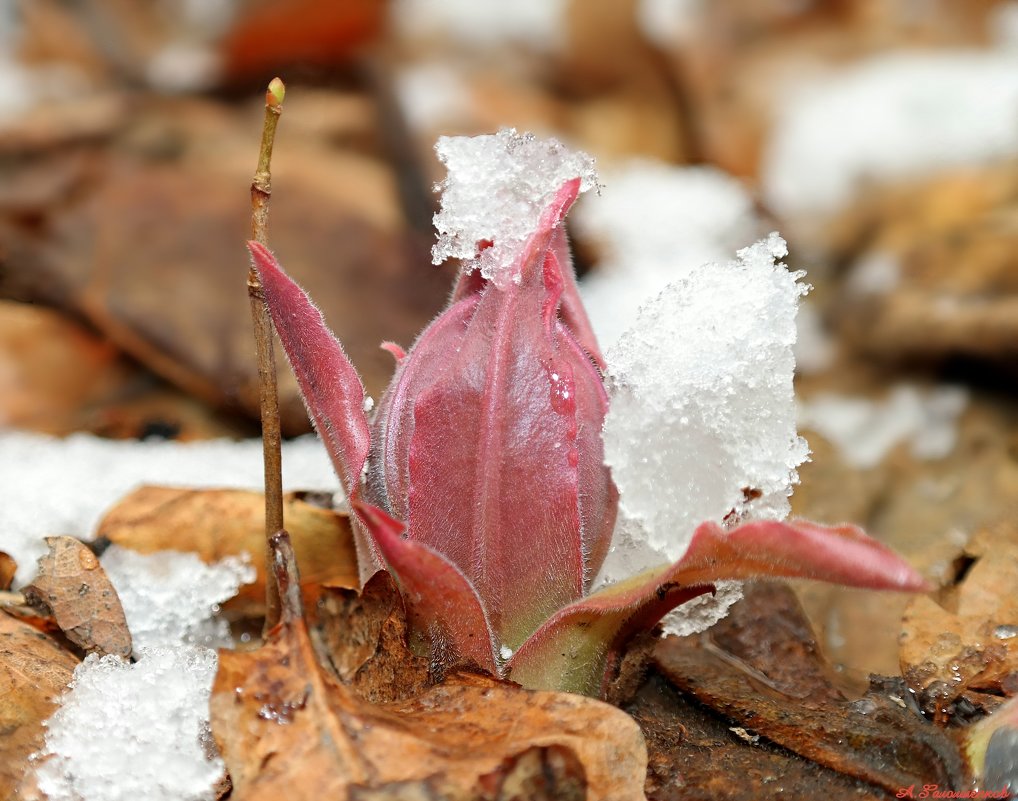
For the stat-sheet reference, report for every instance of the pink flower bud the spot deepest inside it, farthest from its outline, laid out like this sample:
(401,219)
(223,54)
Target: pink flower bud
(488,442)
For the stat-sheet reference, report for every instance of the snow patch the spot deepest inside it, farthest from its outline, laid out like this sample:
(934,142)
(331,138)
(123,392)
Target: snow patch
(655,223)
(496,190)
(666,23)
(481,25)
(433,95)
(865,431)
(704,611)
(128,731)
(706,375)
(55,486)
(893,116)
(171,598)
(814,347)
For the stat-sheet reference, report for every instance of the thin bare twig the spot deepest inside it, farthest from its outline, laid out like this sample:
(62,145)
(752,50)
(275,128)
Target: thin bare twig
(261,192)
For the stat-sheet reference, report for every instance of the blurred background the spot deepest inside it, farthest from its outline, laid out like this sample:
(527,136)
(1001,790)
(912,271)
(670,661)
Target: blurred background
(880,137)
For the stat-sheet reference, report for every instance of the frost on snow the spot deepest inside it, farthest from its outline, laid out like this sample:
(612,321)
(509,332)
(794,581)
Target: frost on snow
(496,189)
(865,431)
(127,731)
(702,415)
(64,486)
(654,223)
(892,116)
(170,598)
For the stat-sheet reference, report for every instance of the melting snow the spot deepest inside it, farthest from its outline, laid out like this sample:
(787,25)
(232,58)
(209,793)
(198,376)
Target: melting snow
(128,731)
(706,375)
(497,187)
(655,223)
(171,598)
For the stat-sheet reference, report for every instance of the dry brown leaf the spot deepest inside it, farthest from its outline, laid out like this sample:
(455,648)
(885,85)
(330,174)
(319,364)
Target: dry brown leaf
(362,637)
(51,368)
(34,671)
(109,242)
(219,523)
(972,645)
(8,567)
(57,377)
(759,673)
(74,588)
(287,728)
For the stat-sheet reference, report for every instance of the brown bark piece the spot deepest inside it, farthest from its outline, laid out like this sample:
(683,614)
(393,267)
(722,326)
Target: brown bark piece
(72,585)
(217,523)
(761,669)
(286,727)
(8,567)
(34,671)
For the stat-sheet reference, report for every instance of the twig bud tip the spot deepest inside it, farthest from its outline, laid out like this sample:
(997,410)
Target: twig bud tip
(276,92)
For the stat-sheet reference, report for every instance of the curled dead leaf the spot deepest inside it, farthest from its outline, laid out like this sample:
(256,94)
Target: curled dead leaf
(73,587)
(34,671)
(219,523)
(286,727)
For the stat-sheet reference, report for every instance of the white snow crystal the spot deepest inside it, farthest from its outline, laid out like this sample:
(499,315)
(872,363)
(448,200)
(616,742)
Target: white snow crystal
(656,222)
(481,25)
(896,115)
(630,554)
(171,598)
(128,731)
(497,187)
(51,486)
(865,431)
(703,611)
(702,408)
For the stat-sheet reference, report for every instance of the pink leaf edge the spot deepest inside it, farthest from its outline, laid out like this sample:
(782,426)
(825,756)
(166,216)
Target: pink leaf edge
(577,647)
(442,606)
(330,385)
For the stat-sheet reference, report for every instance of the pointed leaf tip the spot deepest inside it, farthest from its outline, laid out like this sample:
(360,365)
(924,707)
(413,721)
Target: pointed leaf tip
(331,388)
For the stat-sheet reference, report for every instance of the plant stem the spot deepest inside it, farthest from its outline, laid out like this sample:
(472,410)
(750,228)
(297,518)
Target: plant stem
(261,192)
